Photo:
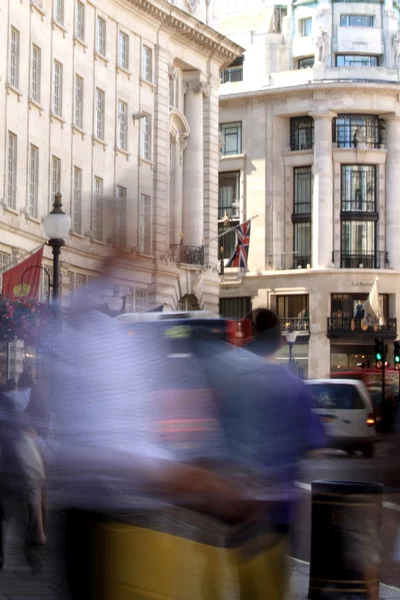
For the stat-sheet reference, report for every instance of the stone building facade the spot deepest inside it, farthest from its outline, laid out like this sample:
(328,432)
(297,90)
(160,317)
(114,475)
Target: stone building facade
(310,137)
(114,103)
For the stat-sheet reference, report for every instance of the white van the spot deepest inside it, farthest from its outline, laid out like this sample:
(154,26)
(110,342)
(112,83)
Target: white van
(345,408)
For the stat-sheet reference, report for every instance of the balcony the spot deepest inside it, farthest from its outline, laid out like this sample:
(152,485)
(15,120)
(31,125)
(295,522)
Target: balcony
(189,255)
(299,324)
(375,260)
(344,327)
(288,260)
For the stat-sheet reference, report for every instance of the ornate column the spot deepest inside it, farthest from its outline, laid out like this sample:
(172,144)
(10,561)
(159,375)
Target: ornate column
(193,163)
(392,183)
(322,202)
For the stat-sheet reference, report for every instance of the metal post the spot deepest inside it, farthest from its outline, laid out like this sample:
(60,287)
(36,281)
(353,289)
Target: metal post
(221,258)
(383,373)
(56,246)
(291,356)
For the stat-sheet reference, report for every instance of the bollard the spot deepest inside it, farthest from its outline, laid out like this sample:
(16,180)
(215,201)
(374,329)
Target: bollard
(345,539)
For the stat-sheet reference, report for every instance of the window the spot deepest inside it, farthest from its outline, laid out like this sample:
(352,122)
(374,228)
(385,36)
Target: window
(356,20)
(234,72)
(351,130)
(126,291)
(59,11)
(293,312)
(145,138)
(80,21)
(36,73)
(5,260)
(77,201)
(358,216)
(301,133)
(100,114)
(235,308)
(305,27)
(228,204)
(97,210)
(80,280)
(55,177)
(57,88)
(12,171)
(79,101)
(356,60)
(14,58)
(280,12)
(302,191)
(71,278)
(123,50)
(144,224)
(359,188)
(120,217)
(101,36)
(302,244)
(147,63)
(122,133)
(305,62)
(232,135)
(141,301)
(33,181)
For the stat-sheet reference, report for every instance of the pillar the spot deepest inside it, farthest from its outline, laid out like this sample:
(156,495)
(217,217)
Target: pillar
(322,202)
(392,183)
(319,351)
(193,163)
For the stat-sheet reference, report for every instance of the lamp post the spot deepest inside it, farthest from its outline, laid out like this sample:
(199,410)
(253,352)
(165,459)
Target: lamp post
(291,339)
(56,227)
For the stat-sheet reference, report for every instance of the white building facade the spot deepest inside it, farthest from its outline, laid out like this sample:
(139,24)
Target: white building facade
(310,138)
(115,105)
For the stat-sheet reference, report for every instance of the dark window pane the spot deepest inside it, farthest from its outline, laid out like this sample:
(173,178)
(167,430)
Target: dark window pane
(302,244)
(358,244)
(358,188)
(235,308)
(356,60)
(351,130)
(307,61)
(228,194)
(302,191)
(336,396)
(301,133)
(232,136)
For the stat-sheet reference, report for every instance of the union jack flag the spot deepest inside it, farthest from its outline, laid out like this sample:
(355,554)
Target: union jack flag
(240,256)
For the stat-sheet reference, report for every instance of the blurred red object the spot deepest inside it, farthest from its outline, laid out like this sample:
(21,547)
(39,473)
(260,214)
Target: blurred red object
(239,333)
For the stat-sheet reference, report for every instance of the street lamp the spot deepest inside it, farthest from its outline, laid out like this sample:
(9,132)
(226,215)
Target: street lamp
(56,227)
(291,339)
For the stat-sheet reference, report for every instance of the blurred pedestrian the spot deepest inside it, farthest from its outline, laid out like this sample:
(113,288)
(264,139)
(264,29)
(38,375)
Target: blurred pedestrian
(11,384)
(21,395)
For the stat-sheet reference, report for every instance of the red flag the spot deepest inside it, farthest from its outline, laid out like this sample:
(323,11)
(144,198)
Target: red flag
(23,280)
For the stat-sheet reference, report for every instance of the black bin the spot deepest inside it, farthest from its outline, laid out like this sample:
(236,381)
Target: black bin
(345,539)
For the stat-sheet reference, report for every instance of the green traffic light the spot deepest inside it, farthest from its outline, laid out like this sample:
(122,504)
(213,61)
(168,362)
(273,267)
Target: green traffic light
(378,356)
(397,359)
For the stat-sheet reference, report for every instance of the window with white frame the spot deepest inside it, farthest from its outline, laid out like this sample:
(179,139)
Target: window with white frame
(57,88)
(141,300)
(14,57)
(145,137)
(232,136)
(126,291)
(12,171)
(97,209)
(80,280)
(55,177)
(80,21)
(101,46)
(144,224)
(77,201)
(120,217)
(122,132)
(33,181)
(100,97)
(59,11)
(36,72)
(147,63)
(305,27)
(79,101)
(123,50)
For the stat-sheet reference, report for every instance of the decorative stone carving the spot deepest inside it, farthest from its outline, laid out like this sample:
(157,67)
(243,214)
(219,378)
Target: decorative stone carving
(396,49)
(182,141)
(173,73)
(197,87)
(321,44)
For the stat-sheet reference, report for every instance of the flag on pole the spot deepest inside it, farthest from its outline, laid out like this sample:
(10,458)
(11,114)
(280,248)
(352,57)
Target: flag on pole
(240,256)
(23,280)
(373,312)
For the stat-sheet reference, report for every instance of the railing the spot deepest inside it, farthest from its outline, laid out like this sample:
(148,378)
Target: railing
(298,324)
(190,255)
(375,260)
(346,325)
(288,260)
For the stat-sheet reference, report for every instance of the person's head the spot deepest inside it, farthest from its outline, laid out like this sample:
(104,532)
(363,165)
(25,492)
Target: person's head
(11,384)
(25,380)
(266,331)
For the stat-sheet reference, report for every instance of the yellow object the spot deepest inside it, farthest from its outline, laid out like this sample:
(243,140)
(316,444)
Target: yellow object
(180,555)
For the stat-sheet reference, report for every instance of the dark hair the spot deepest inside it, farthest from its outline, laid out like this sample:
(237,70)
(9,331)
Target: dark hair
(11,384)
(266,331)
(25,380)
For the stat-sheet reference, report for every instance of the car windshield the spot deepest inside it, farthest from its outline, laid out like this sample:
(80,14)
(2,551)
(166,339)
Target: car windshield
(336,396)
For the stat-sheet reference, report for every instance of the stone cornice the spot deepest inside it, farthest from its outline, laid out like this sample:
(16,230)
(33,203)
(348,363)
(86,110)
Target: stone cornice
(190,29)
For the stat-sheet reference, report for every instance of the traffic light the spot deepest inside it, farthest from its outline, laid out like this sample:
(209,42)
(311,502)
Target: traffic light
(396,355)
(379,352)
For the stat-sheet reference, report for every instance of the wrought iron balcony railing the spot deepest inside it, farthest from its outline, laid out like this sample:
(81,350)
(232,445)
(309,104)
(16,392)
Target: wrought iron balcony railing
(298,324)
(190,255)
(344,326)
(289,260)
(374,260)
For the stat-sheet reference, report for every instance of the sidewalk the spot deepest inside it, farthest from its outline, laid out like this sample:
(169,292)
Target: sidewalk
(17,583)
